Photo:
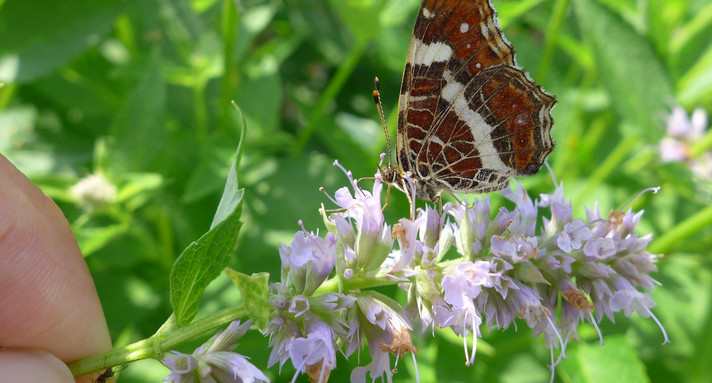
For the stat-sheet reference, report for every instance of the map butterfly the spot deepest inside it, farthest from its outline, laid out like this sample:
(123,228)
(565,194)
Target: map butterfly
(468,117)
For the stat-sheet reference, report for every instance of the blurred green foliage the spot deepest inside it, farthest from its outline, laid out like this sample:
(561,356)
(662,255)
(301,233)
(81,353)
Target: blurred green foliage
(140,92)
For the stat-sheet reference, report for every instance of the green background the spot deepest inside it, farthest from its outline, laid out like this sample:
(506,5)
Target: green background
(140,91)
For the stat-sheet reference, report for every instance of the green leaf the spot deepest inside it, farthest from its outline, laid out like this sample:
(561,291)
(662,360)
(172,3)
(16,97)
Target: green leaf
(691,38)
(92,239)
(138,189)
(361,17)
(138,130)
(696,84)
(255,295)
(212,165)
(628,67)
(508,12)
(203,260)
(204,180)
(37,36)
(616,361)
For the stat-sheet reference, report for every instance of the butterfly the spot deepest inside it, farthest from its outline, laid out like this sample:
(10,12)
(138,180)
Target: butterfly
(468,117)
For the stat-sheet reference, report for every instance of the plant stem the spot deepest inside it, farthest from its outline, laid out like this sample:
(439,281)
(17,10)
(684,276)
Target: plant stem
(229,23)
(552,32)
(685,229)
(607,167)
(332,89)
(155,346)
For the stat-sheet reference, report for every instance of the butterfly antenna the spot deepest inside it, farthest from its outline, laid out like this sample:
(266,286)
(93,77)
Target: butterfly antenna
(379,106)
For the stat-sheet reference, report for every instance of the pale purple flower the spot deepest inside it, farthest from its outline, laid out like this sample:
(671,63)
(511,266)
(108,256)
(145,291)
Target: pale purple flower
(517,248)
(682,134)
(461,285)
(373,240)
(630,300)
(673,150)
(463,282)
(561,211)
(380,321)
(600,248)
(573,235)
(308,261)
(472,226)
(524,221)
(314,354)
(214,361)
(282,331)
(688,129)
(299,305)
(407,234)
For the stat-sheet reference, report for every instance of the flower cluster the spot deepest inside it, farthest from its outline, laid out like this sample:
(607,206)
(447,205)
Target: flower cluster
(513,266)
(682,133)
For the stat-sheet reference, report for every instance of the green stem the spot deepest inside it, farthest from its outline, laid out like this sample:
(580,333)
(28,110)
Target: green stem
(6,93)
(201,114)
(155,346)
(603,170)
(685,229)
(563,168)
(337,284)
(229,24)
(330,92)
(552,32)
(702,145)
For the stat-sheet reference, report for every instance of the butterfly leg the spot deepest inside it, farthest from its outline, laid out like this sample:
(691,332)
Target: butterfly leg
(388,196)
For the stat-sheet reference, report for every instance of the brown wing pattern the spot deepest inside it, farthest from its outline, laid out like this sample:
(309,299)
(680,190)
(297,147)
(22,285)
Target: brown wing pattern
(468,117)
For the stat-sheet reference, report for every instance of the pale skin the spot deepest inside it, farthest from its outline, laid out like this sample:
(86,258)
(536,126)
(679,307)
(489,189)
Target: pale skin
(50,312)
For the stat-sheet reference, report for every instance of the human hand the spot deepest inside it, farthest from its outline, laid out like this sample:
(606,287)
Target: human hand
(50,313)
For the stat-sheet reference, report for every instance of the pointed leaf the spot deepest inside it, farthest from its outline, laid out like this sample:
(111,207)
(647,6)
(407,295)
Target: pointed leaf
(203,260)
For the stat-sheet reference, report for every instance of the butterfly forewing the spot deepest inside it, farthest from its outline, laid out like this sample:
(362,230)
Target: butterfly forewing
(468,117)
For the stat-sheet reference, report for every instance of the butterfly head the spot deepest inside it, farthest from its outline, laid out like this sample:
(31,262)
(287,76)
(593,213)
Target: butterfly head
(395,176)
(390,174)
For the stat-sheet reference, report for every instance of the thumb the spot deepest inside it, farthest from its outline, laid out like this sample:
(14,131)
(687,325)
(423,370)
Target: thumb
(32,365)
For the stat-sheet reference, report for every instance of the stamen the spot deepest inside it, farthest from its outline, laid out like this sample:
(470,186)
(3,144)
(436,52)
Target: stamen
(474,340)
(415,366)
(597,221)
(323,370)
(595,325)
(348,174)
(411,196)
(667,340)
(467,352)
(654,189)
(551,173)
(558,336)
(321,189)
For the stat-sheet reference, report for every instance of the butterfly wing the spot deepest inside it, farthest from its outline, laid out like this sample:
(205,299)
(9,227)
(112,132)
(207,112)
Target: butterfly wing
(468,117)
